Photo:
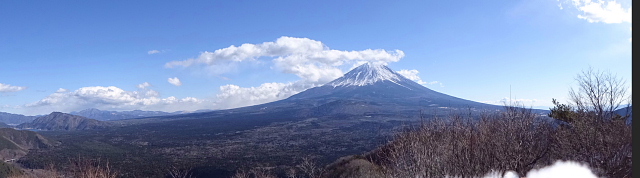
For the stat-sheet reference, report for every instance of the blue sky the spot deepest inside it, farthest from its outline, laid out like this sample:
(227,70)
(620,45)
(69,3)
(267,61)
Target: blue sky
(171,56)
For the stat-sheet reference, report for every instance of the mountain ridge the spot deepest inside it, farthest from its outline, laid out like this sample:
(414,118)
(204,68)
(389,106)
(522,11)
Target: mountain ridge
(16,143)
(64,121)
(10,118)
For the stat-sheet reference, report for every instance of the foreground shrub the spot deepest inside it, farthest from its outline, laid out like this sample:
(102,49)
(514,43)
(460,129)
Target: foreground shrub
(465,146)
(605,145)
(515,139)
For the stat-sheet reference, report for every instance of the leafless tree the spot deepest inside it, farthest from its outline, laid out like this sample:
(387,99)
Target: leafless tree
(599,92)
(176,172)
(310,168)
(253,173)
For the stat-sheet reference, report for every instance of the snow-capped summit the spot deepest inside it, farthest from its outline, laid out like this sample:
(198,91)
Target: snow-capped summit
(367,74)
(378,84)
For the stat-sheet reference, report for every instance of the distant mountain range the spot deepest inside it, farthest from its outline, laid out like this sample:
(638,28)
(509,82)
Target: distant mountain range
(63,121)
(118,115)
(9,118)
(92,113)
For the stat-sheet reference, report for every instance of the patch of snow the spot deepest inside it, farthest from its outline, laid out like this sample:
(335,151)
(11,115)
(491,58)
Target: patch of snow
(562,169)
(367,74)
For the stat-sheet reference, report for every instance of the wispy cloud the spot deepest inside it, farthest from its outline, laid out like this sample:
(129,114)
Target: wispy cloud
(62,90)
(154,51)
(175,81)
(10,88)
(144,85)
(604,11)
(436,83)
(413,75)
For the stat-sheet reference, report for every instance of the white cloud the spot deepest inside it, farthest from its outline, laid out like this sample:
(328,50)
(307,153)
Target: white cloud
(560,5)
(153,51)
(232,96)
(62,90)
(10,88)
(602,11)
(312,61)
(144,85)
(436,82)
(412,75)
(175,81)
(113,98)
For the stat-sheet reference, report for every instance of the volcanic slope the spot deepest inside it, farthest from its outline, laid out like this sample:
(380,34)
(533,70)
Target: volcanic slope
(377,83)
(368,89)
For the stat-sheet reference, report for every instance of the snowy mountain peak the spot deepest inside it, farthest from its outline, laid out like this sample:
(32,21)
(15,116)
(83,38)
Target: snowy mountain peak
(367,74)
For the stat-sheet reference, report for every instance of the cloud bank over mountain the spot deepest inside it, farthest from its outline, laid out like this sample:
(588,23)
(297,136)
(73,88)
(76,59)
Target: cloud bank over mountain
(311,61)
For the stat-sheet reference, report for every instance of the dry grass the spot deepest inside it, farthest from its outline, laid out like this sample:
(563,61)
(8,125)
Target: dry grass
(79,168)
(91,168)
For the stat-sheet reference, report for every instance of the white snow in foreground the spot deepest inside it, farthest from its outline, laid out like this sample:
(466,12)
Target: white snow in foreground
(560,169)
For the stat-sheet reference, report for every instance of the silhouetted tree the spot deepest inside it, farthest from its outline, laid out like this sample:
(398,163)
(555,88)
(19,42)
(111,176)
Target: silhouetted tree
(599,94)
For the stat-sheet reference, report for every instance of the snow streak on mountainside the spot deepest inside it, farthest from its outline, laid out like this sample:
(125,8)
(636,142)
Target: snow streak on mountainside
(377,84)
(367,74)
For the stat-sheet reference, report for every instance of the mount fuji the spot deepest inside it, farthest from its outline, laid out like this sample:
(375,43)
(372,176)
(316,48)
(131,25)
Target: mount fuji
(369,89)
(377,83)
